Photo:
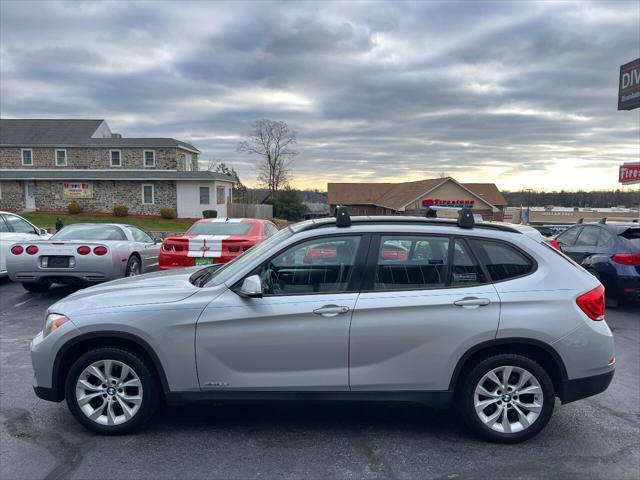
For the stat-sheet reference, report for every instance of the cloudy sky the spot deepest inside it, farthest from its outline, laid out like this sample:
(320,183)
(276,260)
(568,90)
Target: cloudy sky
(520,93)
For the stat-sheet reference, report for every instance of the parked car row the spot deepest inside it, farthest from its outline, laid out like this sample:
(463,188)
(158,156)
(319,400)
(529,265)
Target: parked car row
(88,253)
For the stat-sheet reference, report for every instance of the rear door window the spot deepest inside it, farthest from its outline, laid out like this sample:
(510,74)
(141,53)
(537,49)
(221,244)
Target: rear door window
(411,262)
(502,260)
(568,238)
(465,269)
(588,237)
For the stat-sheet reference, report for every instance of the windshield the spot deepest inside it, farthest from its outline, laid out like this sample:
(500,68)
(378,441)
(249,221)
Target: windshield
(219,228)
(228,270)
(89,232)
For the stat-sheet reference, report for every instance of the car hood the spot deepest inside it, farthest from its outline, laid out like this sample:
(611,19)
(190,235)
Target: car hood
(152,288)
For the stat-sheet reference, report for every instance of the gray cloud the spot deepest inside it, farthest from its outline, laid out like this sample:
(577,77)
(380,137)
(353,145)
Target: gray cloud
(508,91)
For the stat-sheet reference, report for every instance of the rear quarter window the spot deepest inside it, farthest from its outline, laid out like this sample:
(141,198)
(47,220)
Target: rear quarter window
(631,236)
(502,260)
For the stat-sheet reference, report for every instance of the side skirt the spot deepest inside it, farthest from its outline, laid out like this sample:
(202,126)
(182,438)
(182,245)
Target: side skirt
(438,399)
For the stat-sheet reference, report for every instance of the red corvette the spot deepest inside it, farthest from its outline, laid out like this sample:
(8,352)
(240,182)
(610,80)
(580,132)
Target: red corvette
(213,240)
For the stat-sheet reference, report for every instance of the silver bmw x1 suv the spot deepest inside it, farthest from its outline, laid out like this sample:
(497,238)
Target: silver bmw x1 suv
(365,308)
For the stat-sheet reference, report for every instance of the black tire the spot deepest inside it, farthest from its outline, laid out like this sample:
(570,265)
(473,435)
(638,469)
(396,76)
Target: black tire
(133,263)
(151,393)
(36,287)
(465,397)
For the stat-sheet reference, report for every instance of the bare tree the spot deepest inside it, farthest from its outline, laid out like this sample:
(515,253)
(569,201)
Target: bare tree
(272,141)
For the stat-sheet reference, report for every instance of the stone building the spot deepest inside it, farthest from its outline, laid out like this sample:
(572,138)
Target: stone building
(413,198)
(47,164)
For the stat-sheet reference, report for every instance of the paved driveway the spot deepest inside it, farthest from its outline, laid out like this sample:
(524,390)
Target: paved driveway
(594,438)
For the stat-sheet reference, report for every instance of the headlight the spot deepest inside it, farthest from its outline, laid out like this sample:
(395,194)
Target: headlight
(53,322)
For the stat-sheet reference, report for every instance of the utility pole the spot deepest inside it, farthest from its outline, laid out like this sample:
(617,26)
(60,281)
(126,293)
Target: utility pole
(529,190)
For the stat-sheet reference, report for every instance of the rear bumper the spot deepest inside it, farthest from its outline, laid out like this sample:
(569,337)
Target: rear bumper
(62,276)
(629,288)
(572,390)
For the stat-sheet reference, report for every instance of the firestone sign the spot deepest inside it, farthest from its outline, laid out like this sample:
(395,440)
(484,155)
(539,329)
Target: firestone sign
(629,86)
(436,202)
(629,173)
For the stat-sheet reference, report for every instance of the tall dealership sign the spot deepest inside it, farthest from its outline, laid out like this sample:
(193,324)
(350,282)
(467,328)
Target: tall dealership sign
(629,173)
(629,86)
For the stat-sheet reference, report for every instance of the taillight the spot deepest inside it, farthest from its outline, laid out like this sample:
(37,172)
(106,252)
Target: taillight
(592,303)
(84,250)
(172,246)
(632,259)
(17,249)
(554,243)
(31,250)
(100,250)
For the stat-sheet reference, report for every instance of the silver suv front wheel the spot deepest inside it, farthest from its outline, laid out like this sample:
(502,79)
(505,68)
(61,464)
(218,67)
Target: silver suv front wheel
(506,398)
(111,390)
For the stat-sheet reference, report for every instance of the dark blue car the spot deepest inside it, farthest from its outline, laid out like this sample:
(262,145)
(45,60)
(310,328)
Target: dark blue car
(611,252)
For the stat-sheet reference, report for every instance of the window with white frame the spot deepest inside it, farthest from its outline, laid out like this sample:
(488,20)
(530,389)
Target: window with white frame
(61,157)
(147,194)
(149,158)
(116,158)
(205,196)
(220,194)
(27,157)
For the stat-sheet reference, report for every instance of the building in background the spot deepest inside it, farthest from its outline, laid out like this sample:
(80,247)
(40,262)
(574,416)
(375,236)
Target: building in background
(413,198)
(47,164)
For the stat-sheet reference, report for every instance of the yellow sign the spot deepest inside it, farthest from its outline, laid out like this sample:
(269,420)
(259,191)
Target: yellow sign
(77,190)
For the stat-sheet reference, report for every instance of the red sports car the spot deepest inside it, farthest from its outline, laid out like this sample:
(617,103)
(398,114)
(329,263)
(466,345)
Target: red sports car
(214,240)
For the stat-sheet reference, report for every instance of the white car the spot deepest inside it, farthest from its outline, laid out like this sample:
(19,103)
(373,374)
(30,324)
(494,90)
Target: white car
(14,228)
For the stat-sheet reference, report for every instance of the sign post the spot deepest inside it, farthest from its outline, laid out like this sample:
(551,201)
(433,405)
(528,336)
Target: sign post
(629,86)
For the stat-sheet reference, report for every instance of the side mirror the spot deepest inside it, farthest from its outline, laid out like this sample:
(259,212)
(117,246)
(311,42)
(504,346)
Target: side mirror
(42,231)
(157,240)
(251,287)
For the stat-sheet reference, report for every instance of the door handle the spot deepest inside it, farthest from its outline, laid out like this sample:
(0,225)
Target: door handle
(331,310)
(472,302)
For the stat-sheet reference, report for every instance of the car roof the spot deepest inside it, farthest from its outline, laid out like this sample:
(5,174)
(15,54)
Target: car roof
(400,220)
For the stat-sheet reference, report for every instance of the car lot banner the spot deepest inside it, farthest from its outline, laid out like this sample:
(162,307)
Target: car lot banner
(629,86)
(629,173)
(77,190)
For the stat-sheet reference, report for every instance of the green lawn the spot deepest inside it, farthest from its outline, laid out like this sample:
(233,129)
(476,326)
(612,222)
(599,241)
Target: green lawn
(48,221)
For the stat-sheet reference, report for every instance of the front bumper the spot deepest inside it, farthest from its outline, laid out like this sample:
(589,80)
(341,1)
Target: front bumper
(576,389)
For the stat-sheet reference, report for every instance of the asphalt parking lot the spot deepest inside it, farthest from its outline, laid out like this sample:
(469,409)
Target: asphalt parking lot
(595,438)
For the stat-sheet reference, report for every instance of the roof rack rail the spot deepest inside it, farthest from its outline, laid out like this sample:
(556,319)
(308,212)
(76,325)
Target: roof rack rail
(343,220)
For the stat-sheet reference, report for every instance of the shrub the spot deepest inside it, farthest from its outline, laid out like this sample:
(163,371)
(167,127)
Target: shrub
(120,210)
(168,213)
(74,208)
(210,213)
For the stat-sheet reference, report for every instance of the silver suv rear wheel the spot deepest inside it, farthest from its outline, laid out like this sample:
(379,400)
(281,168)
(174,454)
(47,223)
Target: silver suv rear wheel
(508,399)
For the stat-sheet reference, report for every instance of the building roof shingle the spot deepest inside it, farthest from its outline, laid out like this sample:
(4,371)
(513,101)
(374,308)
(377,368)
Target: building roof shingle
(73,133)
(396,196)
(34,132)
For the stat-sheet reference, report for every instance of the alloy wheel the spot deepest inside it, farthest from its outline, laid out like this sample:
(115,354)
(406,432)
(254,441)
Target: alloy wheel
(134,267)
(109,392)
(508,399)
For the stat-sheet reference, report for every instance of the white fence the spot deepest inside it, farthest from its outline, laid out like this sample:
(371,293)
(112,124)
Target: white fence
(250,210)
